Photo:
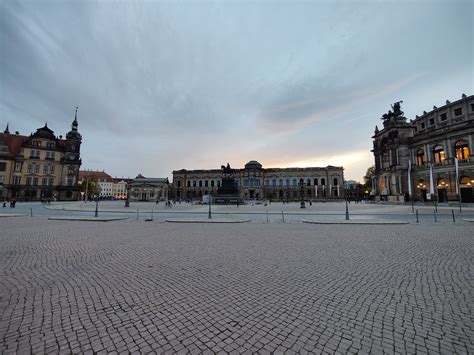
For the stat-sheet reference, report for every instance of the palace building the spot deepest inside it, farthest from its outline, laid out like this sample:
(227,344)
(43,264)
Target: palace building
(428,158)
(40,166)
(255,182)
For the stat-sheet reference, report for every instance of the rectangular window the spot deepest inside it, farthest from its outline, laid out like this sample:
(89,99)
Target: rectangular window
(51,169)
(37,169)
(17,166)
(472,107)
(431,121)
(50,145)
(30,168)
(28,180)
(35,181)
(3,166)
(17,180)
(51,182)
(2,179)
(45,169)
(44,181)
(422,125)
(458,112)
(443,117)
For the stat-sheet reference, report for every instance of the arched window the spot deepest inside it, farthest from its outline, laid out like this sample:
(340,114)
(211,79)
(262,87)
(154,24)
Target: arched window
(301,182)
(308,182)
(335,182)
(420,157)
(179,183)
(315,182)
(280,182)
(267,182)
(287,182)
(274,182)
(189,183)
(194,183)
(206,183)
(212,183)
(466,180)
(462,150)
(438,153)
(441,183)
(200,183)
(293,182)
(323,181)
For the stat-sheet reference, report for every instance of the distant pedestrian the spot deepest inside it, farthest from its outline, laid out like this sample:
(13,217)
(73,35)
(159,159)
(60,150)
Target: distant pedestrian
(4,203)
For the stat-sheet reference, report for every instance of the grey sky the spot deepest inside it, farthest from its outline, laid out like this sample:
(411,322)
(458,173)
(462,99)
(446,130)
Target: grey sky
(170,85)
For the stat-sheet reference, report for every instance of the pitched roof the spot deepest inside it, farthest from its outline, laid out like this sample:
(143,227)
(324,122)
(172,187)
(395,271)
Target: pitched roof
(13,142)
(95,175)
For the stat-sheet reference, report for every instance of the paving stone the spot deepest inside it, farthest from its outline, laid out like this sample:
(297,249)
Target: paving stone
(269,288)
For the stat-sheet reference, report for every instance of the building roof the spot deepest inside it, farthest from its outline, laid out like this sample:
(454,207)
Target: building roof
(95,175)
(13,142)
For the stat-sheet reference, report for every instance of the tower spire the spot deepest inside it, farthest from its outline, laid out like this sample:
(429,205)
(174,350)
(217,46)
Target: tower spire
(74,123)
(7,131)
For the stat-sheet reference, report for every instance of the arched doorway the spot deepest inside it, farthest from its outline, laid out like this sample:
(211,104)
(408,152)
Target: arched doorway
(422,189)
(442,192)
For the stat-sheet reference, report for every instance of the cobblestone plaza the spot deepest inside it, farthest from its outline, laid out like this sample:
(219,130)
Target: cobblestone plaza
(206,288)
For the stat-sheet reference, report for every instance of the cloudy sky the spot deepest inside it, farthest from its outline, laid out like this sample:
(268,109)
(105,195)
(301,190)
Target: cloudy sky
(164,85)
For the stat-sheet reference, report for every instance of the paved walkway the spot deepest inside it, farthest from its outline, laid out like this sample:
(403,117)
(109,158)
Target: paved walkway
(134,286)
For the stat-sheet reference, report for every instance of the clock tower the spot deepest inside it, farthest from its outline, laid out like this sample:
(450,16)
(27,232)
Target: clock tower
(71,160)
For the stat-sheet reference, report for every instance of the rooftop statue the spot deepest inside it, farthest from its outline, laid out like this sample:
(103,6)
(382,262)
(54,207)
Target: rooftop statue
(396,115)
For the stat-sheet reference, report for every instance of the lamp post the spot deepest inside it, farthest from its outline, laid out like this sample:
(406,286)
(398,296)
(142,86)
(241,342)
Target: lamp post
(302,193)
(97,201)
(347,210)
(127,200)
(210,201)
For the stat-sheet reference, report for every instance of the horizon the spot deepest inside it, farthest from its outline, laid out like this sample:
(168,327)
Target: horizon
(169,86)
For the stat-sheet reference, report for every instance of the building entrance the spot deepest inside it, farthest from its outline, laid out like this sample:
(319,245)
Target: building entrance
(442,195)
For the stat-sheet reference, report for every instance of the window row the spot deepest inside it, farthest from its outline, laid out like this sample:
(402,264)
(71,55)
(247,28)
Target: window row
(36,168)
(34,181)
(461,151)
(36,154)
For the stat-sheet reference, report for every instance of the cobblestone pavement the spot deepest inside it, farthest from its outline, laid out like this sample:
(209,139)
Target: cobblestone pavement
(142,287)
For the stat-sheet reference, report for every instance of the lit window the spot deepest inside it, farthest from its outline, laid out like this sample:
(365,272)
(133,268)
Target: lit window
(420,157)
(438,153)
(462,150)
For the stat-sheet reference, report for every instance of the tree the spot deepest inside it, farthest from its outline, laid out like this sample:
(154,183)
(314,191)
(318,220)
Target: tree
(88,186)
(368,178)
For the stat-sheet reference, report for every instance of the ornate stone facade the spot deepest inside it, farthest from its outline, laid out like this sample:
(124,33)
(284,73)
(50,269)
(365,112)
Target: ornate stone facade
(148,189)
(40,166)
(255,182)
(430,142)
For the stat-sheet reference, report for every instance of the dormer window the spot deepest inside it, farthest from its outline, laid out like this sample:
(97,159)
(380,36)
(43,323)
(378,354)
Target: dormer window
(37,143)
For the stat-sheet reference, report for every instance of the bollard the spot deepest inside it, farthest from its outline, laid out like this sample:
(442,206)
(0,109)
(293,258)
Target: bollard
(460,210)
(434,214)
(436,206)
(31,212)
(137,214)
(454,219)
(152,215)
(282,216)
(267,216)
(417,221)
(412,206)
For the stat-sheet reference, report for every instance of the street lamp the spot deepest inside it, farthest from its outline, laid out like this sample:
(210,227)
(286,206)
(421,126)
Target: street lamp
(347,210)
(98,189)
(301,193)
(210,201)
